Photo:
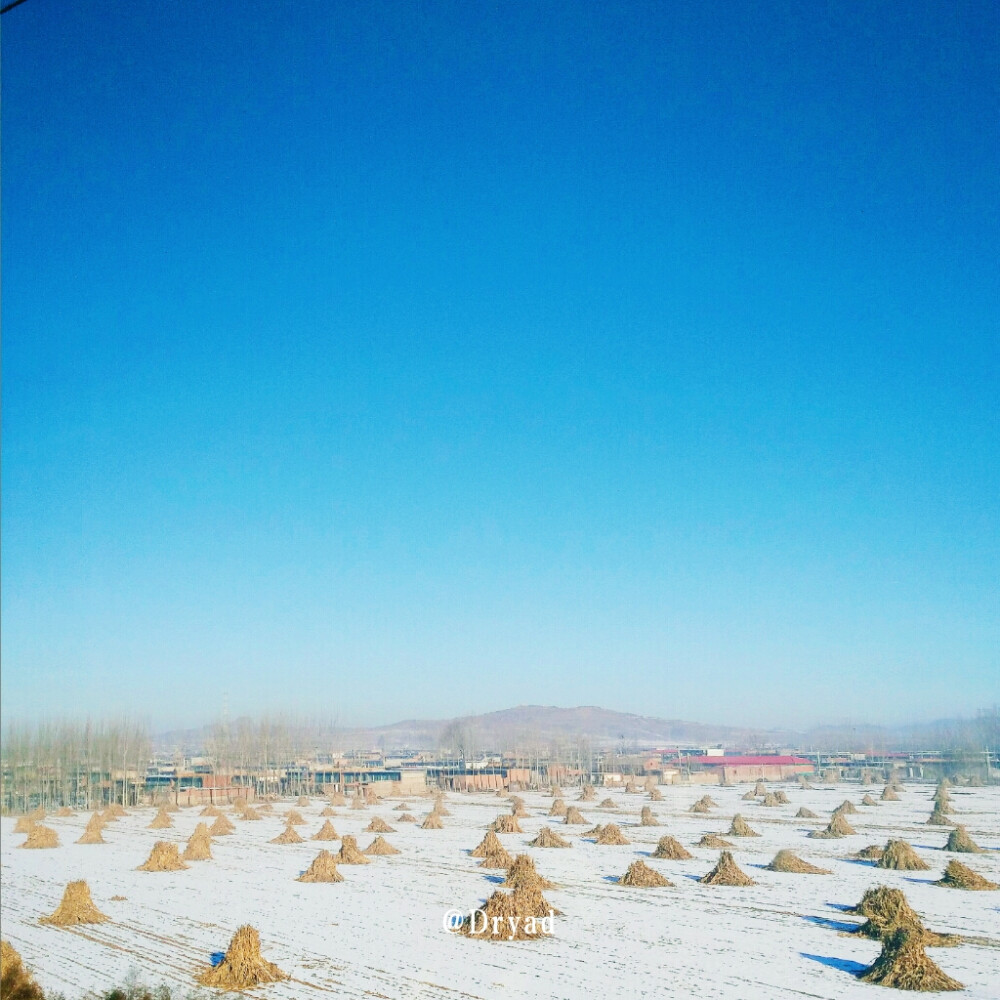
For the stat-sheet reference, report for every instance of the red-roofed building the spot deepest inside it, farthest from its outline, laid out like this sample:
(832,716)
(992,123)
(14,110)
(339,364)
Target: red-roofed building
(772,767)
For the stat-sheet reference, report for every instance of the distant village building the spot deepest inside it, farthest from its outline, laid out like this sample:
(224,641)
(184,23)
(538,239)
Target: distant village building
(733,769)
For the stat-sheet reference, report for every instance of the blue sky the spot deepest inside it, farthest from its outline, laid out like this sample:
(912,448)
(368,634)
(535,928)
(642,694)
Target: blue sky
(422,359)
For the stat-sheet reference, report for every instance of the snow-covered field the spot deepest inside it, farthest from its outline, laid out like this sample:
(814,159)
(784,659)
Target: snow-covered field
(380,933)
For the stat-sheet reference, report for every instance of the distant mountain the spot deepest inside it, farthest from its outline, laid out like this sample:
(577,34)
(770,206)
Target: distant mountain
(544,727)
(540,725)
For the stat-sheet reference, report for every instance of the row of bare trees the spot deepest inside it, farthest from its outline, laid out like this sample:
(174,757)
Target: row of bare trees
(265,751)
(74,763)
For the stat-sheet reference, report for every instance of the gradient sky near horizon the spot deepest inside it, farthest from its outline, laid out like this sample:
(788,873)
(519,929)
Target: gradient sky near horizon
(406,360)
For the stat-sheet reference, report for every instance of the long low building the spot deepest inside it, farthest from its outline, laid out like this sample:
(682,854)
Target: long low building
(773,767)
(404,780)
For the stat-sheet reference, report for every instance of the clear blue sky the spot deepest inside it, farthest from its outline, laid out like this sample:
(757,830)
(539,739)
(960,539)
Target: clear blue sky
(415,359)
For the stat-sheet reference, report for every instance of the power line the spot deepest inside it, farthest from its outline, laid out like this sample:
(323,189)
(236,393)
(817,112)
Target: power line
(10,6)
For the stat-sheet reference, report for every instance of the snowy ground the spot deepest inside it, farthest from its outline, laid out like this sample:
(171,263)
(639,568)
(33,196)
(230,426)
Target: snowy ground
(379,933)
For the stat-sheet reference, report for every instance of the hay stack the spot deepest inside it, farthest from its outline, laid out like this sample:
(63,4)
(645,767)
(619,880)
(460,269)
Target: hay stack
(498,858)
(326,832)
(358,803)
(251,815)
(870,853)
(221,827)
(802,782)
(327,812)
(402,807)
(726,872)
(868,800)
(288,836)
(804,813)
(698,807)
(667,847)
(164,857)
(709,801)
(641,876)
(379,825)
(116,810)
(161,821)
(243,965)
(884,910)
(41,837)
(322,869)
(588,794)
(713,841)
(782,798)
(770,800)
(575,818)
(748,796)
(607,803)
(490,844)
(548,838)
(740,828)
(77,907)
(302,801)
(506,824)
(837,827)
(760,788)
(595,832)
(439,810)
(556,792)
(16,982)
(524,909)
(846,808)
(432,821)
(294,818)
(655,795)
(960,842)
(338,799)
(349,853)
(211,811)
(406,818)
(611,836)
(558,808)
(788,861)
(647,818)
(959,876)
(521,873)
(24,824)
(904,965)
(899,855)
(938,818)
(64,812)
(889,794)
(199,845)
(831,776)
(92,833)
(380,846)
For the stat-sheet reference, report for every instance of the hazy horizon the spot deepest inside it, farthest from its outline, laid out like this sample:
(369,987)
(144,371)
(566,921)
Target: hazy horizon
(375,360)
